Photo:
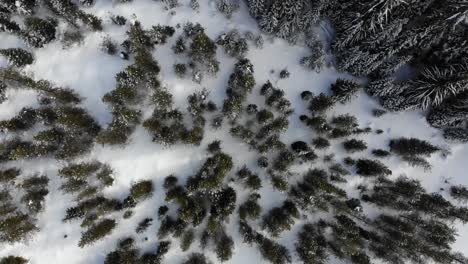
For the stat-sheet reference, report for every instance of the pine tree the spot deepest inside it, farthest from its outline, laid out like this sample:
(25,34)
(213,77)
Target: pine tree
(97,231)
(435,84)
(456,134)
(39,32)
(13,260)
(310,245)
(18,57)
(344,90)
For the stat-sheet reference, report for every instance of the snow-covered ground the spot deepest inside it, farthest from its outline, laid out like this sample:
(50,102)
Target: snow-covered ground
(90,72)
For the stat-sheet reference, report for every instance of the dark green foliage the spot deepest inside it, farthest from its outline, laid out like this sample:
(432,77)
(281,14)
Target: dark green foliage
(212,173)
(170,181)
(417,161)
(346,121)
(179,46)
(344,90)
(97,231)
(159,34)
(141,190)
(119,20)
(223,204)
(349,161)
(337,170)
(187,240)
(317,123)
(279,182)
(273,252)
(371,168)
(95,206)
(354,145)
(214,147)
(143,225)
(321,143)
(79,170)
(456,134)
(3,96)
(15,228)
(17,57)
(234,45)
(264,116)
(35,190)
(250,209)
(39,32)
(275,98)
(250,180)
(240,84)
(307,95)
(9,174)
(171,226)
(155,258)
(224,247)
(125,252)
(262,162)
(82,178)
(108,46)
(203,52)
(25,120)
(378,112)
(281,218)
(284,74)
(13,260)
(7,25)
(412,147)
(320,103)
(162,211)
(380,153)
(311,245)
(196,258)
(191,29)
(283,161)
(315,191)
(180,69)
(72,14)
(74,118)
(300,147)
(459,192)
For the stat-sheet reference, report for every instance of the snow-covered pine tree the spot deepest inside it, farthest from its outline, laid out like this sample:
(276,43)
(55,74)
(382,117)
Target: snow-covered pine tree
(396,103)
(38,31)
(17,57)
(6,25)
(457,134)
(451,113)
(435,84)
(227,7)
(3,88)
(258,7)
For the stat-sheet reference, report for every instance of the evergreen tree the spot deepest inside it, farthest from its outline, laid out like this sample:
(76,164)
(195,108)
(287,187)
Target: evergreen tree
(18,57)
(344,90)
(97,231)
(311,245)
(39,32)
(13,260)
(456,134)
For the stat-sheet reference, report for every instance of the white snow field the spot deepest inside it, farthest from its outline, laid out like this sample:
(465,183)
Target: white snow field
(90,72)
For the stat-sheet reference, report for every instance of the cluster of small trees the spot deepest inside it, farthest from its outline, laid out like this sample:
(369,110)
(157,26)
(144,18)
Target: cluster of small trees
(126,252)
(376,39)
(205,194)
(17,222)
(85,179)
(133,85)
(69,129)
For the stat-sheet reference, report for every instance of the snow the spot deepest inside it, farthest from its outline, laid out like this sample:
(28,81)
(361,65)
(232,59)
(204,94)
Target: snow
(90,72)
